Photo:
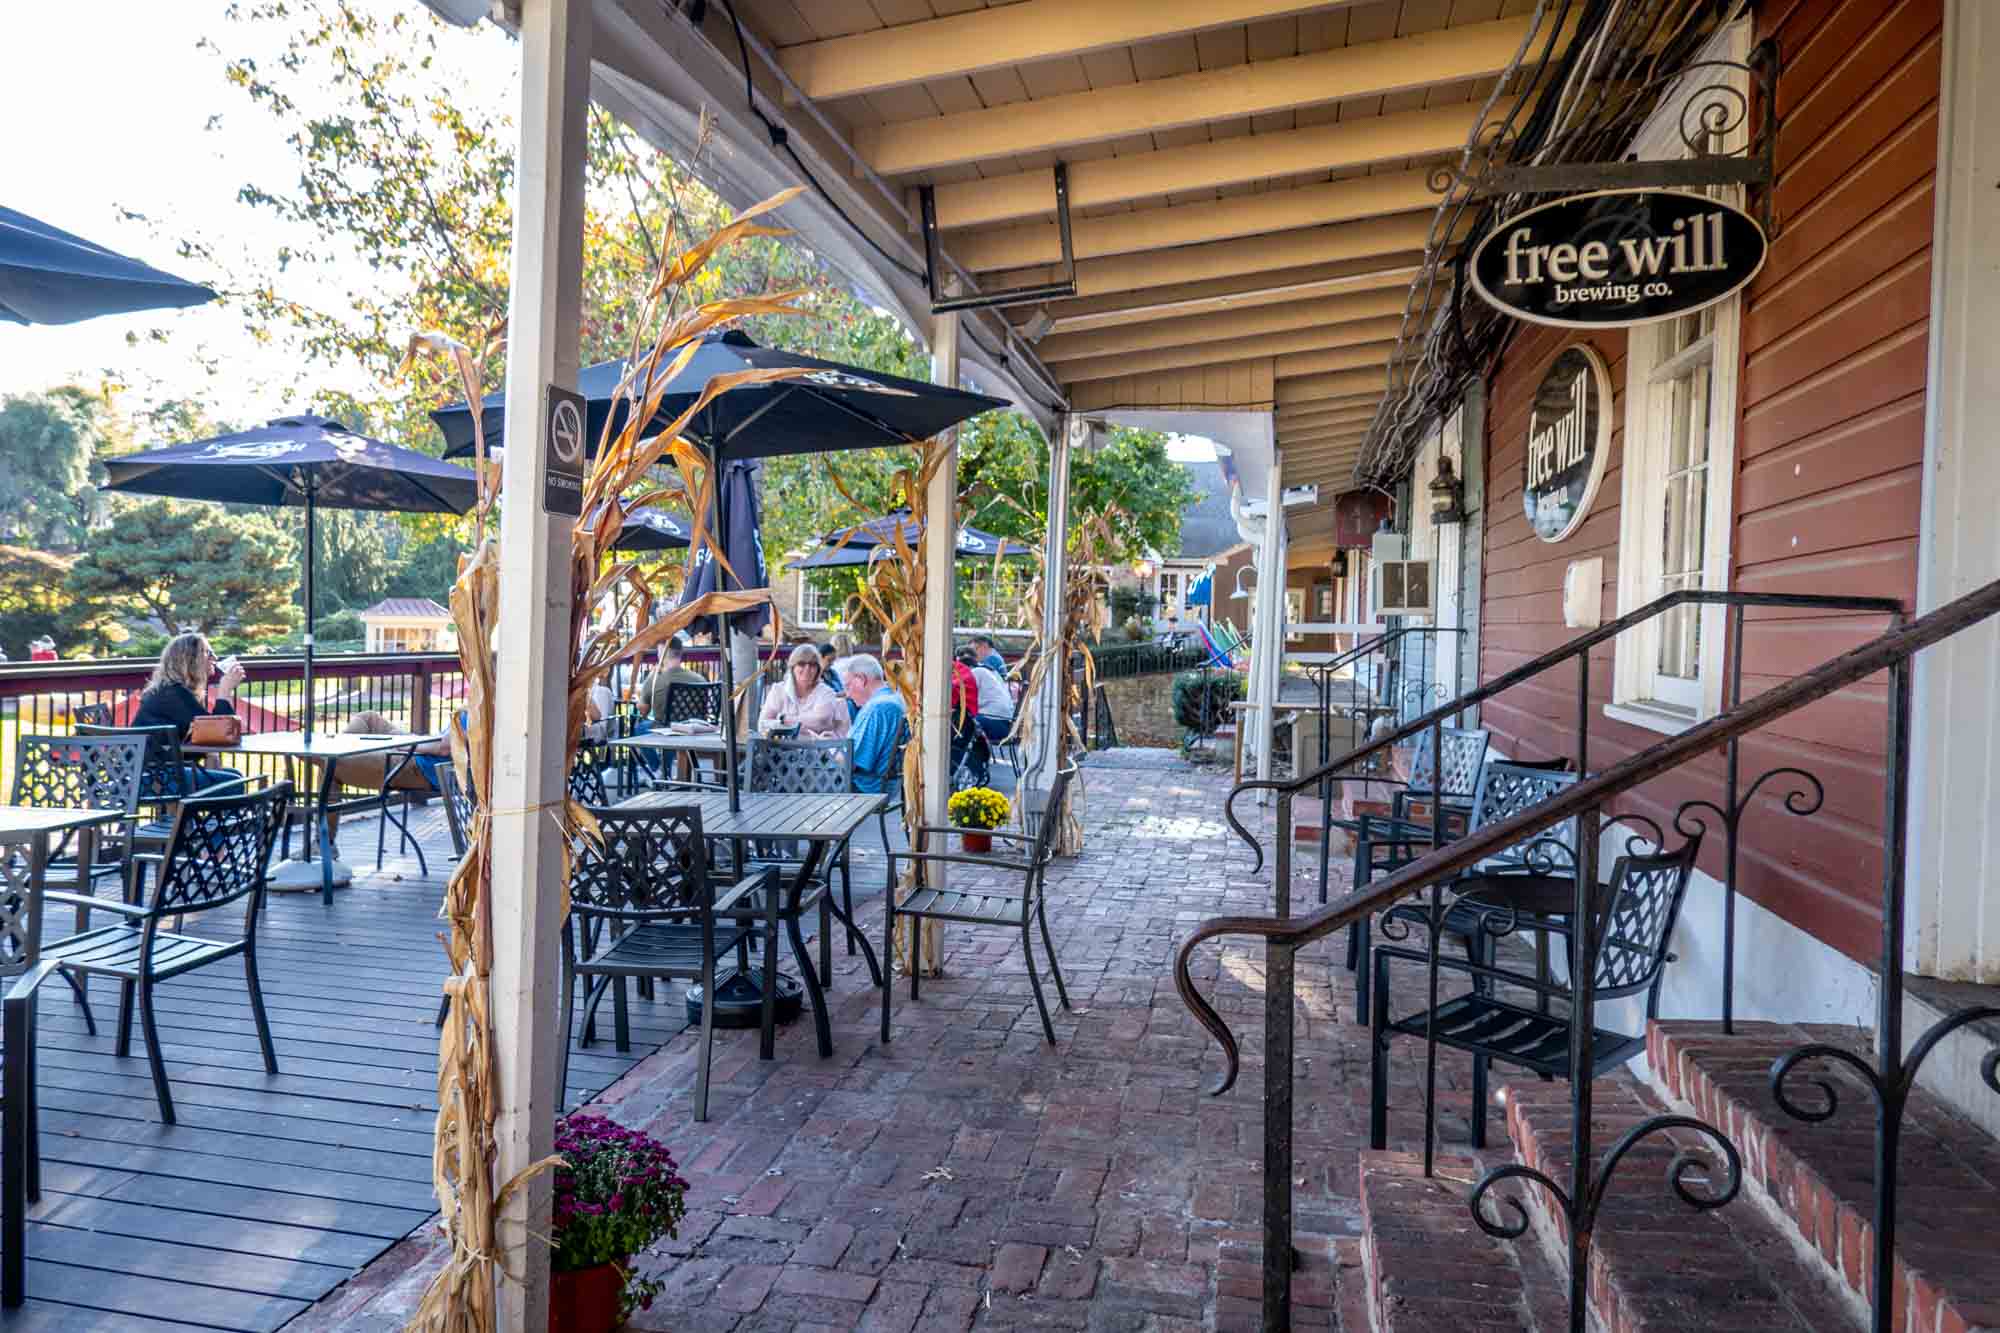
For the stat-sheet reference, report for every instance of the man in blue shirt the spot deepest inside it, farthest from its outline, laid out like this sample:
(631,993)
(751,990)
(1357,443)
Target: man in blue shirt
(988,654)
(878,725)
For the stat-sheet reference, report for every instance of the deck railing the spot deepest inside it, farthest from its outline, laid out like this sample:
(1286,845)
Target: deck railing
(1890,1077)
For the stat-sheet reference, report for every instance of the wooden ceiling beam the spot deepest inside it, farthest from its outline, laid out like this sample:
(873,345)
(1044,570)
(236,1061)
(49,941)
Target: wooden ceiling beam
(1354,200)
(1359,346)
(1362,307)
(1371,69)
(1342,146)
(1309,446)
(1359,415)
(984,39)
(1216,295)
(1336,384)
(1233,259)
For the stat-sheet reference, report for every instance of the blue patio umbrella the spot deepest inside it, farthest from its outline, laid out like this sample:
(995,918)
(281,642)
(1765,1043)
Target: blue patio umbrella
(1202,591)
(736,532)
(868,541)
(306,461)
(48,276)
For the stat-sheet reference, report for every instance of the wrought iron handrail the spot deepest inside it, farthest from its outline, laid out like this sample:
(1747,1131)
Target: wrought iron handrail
(1890,1080)
(1555,657)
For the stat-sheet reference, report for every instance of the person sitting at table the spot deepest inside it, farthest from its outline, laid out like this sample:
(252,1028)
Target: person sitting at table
(672,671)
(802,699)
(878,722)
(987,654)
(827,658)
(174,698)
(389,771)
(996,701)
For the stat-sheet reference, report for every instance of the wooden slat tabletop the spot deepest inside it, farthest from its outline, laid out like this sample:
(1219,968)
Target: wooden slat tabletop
(810,818)
(20,822)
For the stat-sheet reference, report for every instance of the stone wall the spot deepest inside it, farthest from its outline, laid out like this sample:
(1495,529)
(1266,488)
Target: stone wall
(1142,708)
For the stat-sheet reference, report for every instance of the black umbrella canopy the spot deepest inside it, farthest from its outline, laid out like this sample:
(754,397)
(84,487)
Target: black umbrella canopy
(736,532)
(279,462)
(832,407)
(652,529)
(861,544)
(49,276)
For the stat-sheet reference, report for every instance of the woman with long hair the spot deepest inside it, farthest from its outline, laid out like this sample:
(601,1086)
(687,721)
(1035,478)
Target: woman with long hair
(177,695)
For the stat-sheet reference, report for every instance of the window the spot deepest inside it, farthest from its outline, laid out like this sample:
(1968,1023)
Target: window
(1295,612)
(1677,503)
(1171,591)
(815,602)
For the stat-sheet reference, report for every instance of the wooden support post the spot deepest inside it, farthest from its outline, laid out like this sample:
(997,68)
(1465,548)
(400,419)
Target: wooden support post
(1267,645)
(940,602)
(1045,743)
(530,762)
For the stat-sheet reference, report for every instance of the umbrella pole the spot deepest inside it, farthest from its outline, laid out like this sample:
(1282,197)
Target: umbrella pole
(722,638)
(312,528)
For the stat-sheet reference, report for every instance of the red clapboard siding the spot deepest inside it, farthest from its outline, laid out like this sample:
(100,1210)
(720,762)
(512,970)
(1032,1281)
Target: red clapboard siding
(1829,454)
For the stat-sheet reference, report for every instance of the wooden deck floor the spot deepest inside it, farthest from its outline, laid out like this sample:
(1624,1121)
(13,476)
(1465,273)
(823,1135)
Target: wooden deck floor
(272,1190)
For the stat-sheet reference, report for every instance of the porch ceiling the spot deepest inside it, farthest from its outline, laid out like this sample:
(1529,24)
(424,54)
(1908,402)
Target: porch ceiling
(1247,177)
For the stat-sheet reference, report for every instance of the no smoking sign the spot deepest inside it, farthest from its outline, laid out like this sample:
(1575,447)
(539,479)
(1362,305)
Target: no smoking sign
(562,470)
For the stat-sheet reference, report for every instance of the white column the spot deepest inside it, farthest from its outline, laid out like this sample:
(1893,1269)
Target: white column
(1267,646)
(940,550)
(1045,744)
(531,690)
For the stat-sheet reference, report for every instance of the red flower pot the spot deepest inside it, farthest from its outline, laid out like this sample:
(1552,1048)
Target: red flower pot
(586,1301)
(976,840)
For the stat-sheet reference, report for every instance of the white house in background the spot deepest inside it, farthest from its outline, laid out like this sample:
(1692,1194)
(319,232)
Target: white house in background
(409,625)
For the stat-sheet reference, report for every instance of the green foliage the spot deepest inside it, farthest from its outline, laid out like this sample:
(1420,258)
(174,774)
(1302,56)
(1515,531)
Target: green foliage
(340,627)
(351,568)
(1128,602)
(426,568)
(197,564)
(1222,688)
(35,601)
(48,473)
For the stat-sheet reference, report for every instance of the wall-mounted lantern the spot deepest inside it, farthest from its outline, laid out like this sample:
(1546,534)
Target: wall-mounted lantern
(1447,495)
(1339,567)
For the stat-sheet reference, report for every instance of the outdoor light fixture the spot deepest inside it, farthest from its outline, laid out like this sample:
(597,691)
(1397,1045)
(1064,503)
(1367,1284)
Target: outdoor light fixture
(1143,568)
(1339,565)
(1242,593)
(1447,495)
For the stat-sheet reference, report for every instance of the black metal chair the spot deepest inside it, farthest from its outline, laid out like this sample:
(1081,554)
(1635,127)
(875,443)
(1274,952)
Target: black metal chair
(1383,845)
(811,767)
(217,853)
(166,782)
(642,905)
(82,773)
(982,906)
(23,970)
(1636,913)
(457,798)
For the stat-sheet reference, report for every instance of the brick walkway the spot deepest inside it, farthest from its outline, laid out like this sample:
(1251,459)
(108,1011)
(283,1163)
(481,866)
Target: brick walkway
(969,1176)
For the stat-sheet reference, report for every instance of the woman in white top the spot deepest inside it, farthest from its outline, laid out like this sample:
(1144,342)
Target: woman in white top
(803,699)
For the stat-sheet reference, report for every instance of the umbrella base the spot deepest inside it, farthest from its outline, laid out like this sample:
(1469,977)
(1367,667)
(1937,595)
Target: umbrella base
(740,999)
(304,877)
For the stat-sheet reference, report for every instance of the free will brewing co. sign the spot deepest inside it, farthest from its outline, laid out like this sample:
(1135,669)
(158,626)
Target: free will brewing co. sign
(1568,438)
(1617,257)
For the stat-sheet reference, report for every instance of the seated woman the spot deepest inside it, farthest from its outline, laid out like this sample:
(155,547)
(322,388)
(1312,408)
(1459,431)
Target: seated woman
(804,700)
(175,696)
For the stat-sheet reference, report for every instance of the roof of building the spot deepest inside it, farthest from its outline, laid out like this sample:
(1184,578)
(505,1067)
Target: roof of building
(1207,527)
(406,608)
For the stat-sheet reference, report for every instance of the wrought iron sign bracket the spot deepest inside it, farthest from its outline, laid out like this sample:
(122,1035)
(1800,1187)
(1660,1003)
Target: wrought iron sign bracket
(934,267)
(1716,108)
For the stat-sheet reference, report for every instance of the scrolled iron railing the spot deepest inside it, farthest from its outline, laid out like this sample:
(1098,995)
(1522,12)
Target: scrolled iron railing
(1890,1077)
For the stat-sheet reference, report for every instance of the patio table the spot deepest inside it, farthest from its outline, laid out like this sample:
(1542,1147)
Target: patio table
(685,746)
(820,821)
(33,827)
(323,751)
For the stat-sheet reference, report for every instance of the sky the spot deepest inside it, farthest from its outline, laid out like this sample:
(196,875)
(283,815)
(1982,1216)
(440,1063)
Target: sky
(154,130)
(129,129)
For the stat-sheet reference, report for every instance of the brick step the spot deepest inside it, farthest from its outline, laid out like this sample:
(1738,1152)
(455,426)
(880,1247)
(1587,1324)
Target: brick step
(1821,1176)
(1657,1265)
(1429,1269)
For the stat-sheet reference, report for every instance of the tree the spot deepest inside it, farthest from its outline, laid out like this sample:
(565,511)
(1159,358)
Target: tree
(192,564)
(48,447)
(426,568)
(351,567)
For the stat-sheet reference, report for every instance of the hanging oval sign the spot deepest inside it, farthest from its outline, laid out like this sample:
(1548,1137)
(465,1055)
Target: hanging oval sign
(1569,439)
(1617,257)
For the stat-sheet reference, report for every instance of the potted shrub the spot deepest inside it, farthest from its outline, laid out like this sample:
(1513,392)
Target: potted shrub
(977,811)
(617,1191)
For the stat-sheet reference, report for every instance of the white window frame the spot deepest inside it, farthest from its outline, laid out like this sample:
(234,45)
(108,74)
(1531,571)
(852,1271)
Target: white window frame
(1639,695)
(812,598)
(1171,605)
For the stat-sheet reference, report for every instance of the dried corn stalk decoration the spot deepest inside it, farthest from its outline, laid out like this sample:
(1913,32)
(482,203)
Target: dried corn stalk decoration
(462,1298)
(892,591)
(1082,620)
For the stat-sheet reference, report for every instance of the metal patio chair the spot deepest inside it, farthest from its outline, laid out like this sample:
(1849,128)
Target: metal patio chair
(1635,922)
(981,906)
(642,905)
(23,971)
(808,767)
(217,853)
(1385,845)
(82,773)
